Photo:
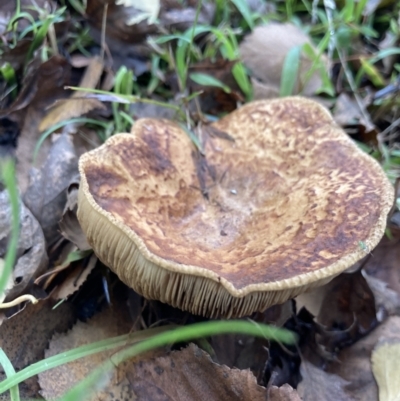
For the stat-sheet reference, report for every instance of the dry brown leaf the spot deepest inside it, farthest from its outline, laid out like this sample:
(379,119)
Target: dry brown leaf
(111,322)
(191,375)
(320,385)
(77,105)
(386,369)
(349,305)
(47,193)
(24,337)
(41,88)
(347,111)
(283,393)
(31,251)
(75,278)
(242,352)
(264,50)
(353,363)
(66,109)
(385,261)
(69,225)
(387,301)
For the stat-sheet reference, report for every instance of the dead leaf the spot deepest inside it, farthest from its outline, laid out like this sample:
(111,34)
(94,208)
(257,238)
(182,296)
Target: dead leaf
(43,85)
(283,393)
(109,323)
(348,306)
(242,352)
(353,363)
(387,301)
(77,105)
(385,261)
(385,367)
(31,251)
(25,336)
(69,225)
(77,275)
(190,374)
(320,385)
(264,50)
(47,193)
(347,111)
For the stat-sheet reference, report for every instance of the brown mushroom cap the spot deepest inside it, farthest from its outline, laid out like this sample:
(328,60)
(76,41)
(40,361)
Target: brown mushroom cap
(281,201)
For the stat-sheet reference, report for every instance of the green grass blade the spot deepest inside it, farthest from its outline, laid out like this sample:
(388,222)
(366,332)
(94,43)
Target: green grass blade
(10,371)
(244,9)
(290,71)
(208,80)
(8,175)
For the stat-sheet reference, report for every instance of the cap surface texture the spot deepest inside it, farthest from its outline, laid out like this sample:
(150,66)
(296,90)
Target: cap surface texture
(279,200)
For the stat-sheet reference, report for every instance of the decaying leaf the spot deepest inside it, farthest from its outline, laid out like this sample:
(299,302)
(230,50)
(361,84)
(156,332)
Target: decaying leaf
(242,352)
(385,263)
(77,105)
(24,337)
(47,193)
(69,225)
(349,305)
(283,393)
(387,301)
(347,111)
(42,86)
(190,374)
(106,324)
(386,369)
(264,50)
(75,278)
(320,385)
(31,251)
(353,363)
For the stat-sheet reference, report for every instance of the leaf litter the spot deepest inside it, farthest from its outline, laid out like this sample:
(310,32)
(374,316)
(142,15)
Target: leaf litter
(348,329)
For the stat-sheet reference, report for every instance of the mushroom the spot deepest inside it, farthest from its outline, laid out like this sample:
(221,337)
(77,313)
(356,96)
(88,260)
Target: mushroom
(277,200)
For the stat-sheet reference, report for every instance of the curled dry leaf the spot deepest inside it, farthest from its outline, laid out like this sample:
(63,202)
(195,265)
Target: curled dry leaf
(31,252)
(69,225)
(190,374)
(75,278)
(386,369)
(264,50)
(47,193)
